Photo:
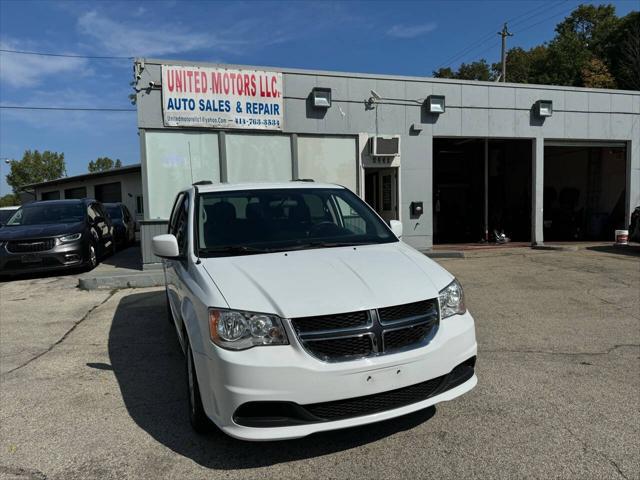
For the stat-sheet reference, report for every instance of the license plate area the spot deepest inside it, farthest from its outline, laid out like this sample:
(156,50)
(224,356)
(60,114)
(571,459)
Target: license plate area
(31,258)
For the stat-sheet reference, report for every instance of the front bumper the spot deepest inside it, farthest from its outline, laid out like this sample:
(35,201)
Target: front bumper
(288,374)
(66,255)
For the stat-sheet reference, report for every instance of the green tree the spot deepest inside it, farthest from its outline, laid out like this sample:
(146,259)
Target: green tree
(102,164)
(587,32)
(625,52)
(36,167)
(9,200)
(478,70)
(445,72)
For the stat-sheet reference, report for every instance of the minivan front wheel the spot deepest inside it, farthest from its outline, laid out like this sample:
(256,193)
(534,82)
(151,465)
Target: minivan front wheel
(92,261)
(198,419)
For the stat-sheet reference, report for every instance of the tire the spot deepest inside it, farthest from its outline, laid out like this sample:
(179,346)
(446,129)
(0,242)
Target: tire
(92,261)
(198,419)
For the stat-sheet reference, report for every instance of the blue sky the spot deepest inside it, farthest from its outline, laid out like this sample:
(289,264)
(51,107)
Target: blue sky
(408,38)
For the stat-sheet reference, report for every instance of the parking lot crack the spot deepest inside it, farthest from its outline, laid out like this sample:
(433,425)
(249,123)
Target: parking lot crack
(66,334)
(18,472)
(548,352)
(587,448)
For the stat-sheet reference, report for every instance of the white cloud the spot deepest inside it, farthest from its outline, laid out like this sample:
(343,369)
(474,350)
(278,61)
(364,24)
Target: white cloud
(411,31)
(20,70)
(136,39)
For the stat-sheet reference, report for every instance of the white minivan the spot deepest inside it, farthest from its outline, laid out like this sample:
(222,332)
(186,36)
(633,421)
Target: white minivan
(299,310)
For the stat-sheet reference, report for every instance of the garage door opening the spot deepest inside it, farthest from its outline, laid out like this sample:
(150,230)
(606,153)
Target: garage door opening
(481,189)
(584,192)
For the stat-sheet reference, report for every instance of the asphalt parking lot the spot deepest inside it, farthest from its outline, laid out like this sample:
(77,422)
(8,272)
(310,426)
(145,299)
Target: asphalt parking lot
(92,386)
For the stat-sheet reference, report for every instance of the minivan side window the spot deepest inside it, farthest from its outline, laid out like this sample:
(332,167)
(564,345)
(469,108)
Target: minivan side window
(182,226)
(174,213)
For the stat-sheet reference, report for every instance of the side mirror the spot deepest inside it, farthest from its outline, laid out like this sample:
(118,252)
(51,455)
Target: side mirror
(396,228)
(165,246)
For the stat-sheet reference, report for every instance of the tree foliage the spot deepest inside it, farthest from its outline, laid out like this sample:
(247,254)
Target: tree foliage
(592,47)
(103,164)
(36,167)
(595,74)
(9,200)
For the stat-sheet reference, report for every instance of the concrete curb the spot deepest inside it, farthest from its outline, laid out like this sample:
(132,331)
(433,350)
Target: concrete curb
(444,254)
(556,248)
(131,280)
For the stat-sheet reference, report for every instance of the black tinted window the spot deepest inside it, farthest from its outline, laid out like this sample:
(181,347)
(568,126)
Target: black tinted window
(182,225)
(48,213)
(272,219)
(114,211)
(6,215)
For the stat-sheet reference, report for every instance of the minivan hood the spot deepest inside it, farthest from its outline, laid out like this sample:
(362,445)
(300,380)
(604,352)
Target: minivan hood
(24,232)
(325,281)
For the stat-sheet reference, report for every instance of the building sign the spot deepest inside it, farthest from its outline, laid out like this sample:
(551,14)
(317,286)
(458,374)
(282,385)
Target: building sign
(221,98)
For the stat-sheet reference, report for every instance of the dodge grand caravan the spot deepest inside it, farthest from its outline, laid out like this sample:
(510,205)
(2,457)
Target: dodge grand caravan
(299,310)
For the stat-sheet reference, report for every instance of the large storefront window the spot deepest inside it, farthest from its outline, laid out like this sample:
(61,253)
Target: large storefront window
(258,158)
(328,159)
(175,160)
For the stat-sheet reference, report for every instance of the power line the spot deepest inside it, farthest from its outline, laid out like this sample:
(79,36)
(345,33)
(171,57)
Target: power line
(528,15)
(47,54)
(69,109)
(485,38)
(547,18)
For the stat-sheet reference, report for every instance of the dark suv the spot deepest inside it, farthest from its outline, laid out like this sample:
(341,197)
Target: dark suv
(124,226)
(55,234)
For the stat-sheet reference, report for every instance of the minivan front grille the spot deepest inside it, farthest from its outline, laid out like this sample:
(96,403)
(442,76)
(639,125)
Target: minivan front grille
(31,246)
(347,336)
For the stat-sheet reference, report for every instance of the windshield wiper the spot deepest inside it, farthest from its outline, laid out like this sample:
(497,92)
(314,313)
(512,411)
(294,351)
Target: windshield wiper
(232,250)
(321,244)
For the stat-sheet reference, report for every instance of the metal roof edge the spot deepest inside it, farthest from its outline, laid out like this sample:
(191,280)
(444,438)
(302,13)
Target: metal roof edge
(82,176)
(375,76)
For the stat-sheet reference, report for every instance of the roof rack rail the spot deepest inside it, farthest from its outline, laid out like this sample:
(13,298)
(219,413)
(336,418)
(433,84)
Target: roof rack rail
(303,180)
(202,182)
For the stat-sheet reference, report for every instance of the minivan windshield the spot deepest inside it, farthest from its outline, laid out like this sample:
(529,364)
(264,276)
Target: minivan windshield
(267,220)
(48,213)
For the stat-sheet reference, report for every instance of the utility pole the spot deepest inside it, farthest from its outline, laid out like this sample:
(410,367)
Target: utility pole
(504,34)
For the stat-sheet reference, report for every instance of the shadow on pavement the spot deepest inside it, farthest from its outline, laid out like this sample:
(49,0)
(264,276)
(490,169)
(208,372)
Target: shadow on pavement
(149,367)
(629,250)
(129,257)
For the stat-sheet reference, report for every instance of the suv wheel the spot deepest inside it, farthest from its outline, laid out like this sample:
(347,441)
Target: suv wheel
(198,419)
(92,261)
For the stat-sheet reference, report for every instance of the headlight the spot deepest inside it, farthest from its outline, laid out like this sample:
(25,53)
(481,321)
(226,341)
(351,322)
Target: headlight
(71,238)
(235,330)
(451,300)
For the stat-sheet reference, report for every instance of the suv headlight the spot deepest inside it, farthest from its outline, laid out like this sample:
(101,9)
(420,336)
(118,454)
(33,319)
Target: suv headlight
(71,238)
(451,300)
(236,330)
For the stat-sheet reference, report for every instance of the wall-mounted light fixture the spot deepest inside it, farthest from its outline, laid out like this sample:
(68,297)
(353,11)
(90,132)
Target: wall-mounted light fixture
(321,97)
(435,104)
(543,108)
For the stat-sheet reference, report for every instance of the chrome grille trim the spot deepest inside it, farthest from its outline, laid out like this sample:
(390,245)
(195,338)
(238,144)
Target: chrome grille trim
(375,329)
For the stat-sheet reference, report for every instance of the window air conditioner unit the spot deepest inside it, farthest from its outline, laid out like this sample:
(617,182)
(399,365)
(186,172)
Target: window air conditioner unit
(382,146)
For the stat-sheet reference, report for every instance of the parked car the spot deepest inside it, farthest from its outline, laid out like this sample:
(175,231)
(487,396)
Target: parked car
(299,310)
(6,213)
(124,226)
(55,234)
